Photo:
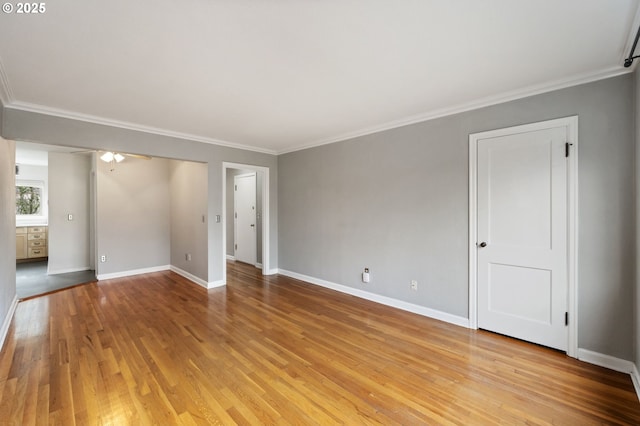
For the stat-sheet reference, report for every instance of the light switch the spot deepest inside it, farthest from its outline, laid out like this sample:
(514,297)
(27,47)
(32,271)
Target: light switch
(217,218)
(70,217)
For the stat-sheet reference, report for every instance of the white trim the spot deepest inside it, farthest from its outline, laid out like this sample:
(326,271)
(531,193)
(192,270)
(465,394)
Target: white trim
(194,279)
(258,265)
(216,284)
(66,271)
(606,361)
(7,321)
(273,271)
(537,89)
(266,218)
(6,96)
(231,258)
(635,378)
(572,212)
(131,272)
(388,301)
(470,106)
(71,115)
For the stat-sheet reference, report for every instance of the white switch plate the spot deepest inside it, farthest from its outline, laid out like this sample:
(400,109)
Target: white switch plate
(69,216)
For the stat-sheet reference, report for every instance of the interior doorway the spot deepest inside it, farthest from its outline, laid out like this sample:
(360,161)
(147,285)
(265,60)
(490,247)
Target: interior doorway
(523,231)
(262,222)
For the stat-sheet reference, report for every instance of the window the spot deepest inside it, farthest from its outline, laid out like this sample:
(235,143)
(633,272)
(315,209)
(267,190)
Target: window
(30,200)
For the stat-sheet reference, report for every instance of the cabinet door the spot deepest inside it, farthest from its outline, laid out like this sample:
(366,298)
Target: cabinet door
(21,246)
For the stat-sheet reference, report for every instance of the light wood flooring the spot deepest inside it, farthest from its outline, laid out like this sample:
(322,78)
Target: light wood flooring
(157,349)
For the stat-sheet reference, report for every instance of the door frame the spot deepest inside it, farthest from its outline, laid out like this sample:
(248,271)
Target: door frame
(266,220)
(572,219)
(235,209)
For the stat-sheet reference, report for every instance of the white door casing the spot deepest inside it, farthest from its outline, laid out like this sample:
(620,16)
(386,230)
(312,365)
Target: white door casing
(245,239)
(522,206)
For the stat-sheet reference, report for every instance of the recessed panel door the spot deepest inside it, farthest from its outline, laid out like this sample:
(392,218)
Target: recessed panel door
(245,218)
(522,236)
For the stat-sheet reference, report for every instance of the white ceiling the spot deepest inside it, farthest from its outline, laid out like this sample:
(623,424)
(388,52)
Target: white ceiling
(279,75)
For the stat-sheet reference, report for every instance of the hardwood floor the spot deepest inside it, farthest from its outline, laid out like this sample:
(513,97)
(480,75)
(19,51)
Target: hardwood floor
(157,349)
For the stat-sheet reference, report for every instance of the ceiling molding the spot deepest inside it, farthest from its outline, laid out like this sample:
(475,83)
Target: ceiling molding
(39,109)
(431,115)
(469,106)
(6,96)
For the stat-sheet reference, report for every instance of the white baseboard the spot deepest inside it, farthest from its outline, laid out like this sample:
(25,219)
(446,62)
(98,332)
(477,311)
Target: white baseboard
(133,272)
(66,271)
(635,378)
(606,361)
(231,257)
(259,265)
(272,272)
(388,301)
(7,321)
(612,363)
(196,280)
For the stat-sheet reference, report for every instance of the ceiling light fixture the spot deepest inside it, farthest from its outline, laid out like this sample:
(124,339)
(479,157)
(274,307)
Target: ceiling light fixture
(109,156)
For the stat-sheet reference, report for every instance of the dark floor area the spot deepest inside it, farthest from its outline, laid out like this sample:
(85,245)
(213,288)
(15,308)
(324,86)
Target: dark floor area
(32,279)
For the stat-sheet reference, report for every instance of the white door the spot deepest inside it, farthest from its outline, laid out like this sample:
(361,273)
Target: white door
(245,218)
(522,257)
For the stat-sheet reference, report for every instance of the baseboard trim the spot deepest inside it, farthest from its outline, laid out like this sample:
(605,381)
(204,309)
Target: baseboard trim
(271,272)
(231,258)
(635,378)
(384,300)
(7,321)
(66,271)
(196,280)
(258,265)
(132,272)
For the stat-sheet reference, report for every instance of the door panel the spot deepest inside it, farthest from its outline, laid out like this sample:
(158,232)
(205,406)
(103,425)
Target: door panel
(522,218)
(245,218)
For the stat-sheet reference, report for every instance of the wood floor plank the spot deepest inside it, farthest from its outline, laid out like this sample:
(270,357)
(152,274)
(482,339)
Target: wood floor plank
(158,349)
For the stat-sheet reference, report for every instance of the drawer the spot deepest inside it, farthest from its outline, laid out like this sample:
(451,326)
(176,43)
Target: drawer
(37,229)
(21,230)
(40,236)
(37,243)
(37,252)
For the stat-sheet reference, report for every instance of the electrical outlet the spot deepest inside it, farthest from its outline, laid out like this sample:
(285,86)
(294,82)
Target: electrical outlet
(187,257)
(414,285)
(103,258)
(365,275)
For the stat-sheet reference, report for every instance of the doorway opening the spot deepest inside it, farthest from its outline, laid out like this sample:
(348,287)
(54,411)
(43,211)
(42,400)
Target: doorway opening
(523,232)
(241,174)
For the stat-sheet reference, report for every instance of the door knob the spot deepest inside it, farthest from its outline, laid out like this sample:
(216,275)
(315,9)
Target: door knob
(483,244)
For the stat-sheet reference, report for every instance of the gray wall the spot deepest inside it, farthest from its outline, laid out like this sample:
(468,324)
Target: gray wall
(188,192)
(69,189)
(230,210)
(397,202)
(133,225)
(7,229)
(28,126)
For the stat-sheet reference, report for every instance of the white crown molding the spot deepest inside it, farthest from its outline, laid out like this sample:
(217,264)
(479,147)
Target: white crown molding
(6,96)
(469,106)
(39,109)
